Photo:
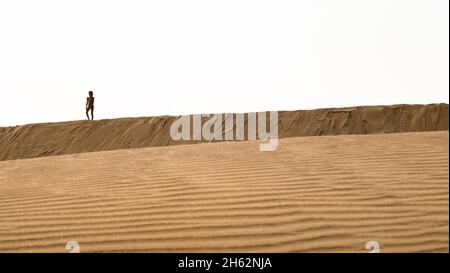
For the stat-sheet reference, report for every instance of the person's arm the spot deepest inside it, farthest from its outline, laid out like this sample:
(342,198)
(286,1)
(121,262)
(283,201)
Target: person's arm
(87,103)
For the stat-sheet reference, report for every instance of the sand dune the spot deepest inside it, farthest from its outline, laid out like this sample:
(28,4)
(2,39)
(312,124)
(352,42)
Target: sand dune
(38,140)
(313,194)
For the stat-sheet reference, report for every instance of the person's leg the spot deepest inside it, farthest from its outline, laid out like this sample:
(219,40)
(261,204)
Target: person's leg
(92,113)
(87,113)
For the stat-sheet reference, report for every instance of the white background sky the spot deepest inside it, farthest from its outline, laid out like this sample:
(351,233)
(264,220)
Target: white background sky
(145,58)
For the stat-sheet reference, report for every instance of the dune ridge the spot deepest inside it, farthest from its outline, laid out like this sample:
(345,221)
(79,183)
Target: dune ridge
(49,139)
(313,194)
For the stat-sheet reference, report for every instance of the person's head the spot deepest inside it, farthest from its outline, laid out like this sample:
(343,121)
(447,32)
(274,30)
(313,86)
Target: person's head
(91,93)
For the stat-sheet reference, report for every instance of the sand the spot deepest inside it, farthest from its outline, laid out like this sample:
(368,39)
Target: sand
(313,194)
(49,139)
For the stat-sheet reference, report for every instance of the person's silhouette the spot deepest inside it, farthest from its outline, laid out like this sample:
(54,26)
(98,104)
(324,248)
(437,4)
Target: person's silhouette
(90,105)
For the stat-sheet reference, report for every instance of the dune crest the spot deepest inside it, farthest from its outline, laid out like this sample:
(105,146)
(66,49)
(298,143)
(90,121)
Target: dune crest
(49,139)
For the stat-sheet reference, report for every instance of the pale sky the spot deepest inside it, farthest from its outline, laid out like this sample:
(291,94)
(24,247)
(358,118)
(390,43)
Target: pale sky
(147,58)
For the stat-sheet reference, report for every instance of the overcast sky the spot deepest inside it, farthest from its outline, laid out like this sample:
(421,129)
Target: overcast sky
(145,58)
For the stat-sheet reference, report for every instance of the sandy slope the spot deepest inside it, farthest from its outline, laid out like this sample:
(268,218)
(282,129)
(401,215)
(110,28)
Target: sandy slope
(317,194)
(38,140)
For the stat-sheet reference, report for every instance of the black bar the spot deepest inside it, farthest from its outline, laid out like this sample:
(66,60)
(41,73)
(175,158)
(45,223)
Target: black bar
(233,262)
